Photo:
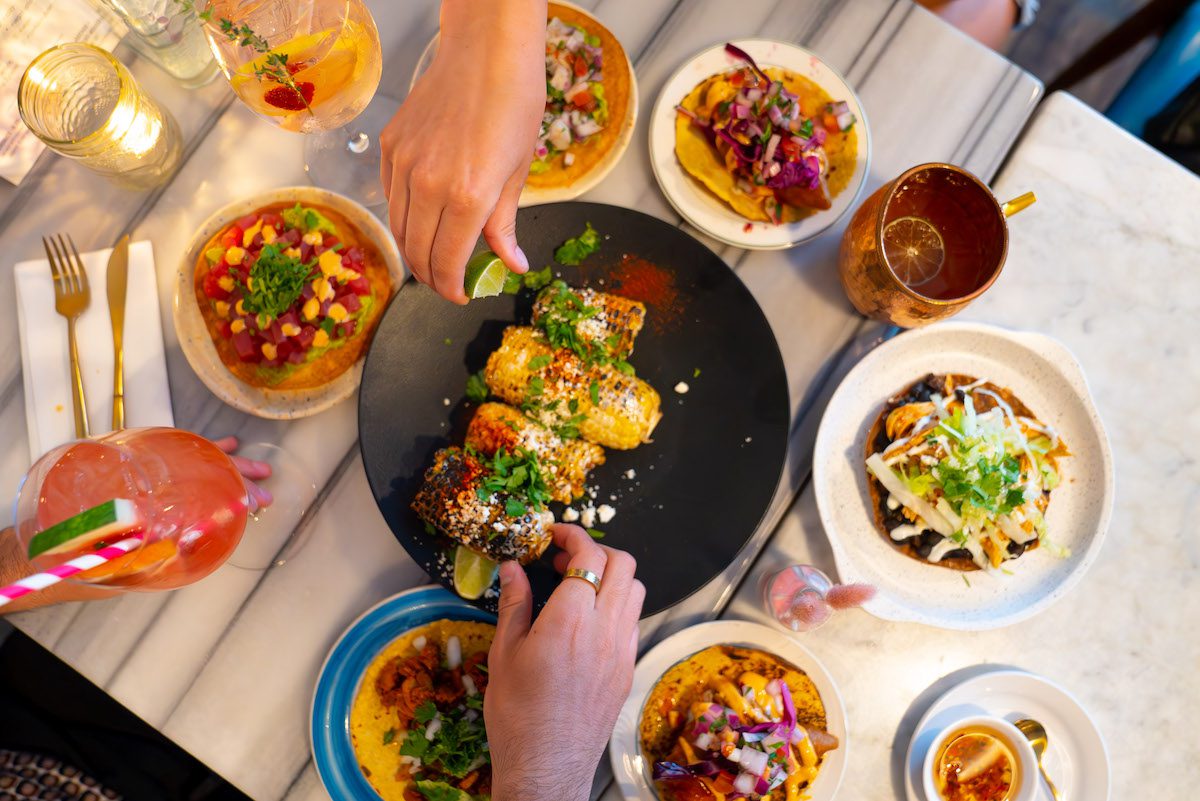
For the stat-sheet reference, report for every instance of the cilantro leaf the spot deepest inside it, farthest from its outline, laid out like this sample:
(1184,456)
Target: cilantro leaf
(389,736)
(537,280)
(540,361)
(425,712)
(578,248)
(477,388)
(512,283)
(513,507)
(594,391)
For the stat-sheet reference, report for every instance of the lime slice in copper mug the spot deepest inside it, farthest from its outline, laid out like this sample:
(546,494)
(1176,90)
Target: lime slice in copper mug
(485,275)
(473,573)
(87,529)
(914,249)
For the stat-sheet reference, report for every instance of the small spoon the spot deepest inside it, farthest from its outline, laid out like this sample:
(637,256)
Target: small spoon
(1035,733)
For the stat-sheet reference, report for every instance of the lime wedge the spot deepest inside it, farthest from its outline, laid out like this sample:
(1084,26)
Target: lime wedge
(473,573)
(485,275)
(86,529)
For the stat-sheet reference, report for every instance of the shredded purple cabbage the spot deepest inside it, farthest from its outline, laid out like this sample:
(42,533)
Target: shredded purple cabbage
(738,52)
(796,173)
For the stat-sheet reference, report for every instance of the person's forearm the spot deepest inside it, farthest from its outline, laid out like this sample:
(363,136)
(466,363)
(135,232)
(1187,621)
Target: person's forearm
(14,566)
(524,20)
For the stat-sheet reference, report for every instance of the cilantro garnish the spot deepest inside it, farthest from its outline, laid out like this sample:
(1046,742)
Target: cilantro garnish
(594,391)
(455,748)
(477,388)
(389,736)
(537,280)
(518,475)
(277,282)
(595,533)
(563,310)
(578,248)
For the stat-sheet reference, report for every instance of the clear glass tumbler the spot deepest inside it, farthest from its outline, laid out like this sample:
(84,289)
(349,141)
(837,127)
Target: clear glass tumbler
(85,105)
(171,37)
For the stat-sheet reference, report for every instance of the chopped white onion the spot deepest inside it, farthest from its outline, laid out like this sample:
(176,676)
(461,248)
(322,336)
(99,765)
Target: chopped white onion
(753,761)
(419,643)
(453,653)
(469,684)
(432,728)
(705,741)
(745,783)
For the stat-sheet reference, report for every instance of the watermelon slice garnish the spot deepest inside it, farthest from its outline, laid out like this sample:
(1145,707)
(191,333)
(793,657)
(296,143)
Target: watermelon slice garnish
(88,529)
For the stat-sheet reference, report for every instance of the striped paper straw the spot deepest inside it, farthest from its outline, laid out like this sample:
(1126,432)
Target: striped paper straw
(40,581)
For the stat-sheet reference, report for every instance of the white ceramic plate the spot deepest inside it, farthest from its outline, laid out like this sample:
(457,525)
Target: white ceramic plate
(534,196)
(629,767)
(1076,758)
(1047,379)
(193,335)
(697,204)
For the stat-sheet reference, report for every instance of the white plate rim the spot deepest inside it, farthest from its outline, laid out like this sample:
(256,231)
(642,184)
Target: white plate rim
(197,345)
(663,160)
(1052,352)
(625,747)
(912,787)
(531,196)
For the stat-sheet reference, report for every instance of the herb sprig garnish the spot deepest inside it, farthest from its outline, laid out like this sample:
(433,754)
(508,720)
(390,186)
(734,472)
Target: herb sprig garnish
(518,474)
(274,66)
(275,282)
(578,248)
(456,747)
(560,323)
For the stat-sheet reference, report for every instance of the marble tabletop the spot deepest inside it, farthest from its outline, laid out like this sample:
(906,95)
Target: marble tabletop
(226,667)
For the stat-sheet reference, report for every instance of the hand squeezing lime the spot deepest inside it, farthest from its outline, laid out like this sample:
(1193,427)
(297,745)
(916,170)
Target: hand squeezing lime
(485,275)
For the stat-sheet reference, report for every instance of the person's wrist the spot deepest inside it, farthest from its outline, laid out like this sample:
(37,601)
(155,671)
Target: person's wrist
(493,18)
(556,785)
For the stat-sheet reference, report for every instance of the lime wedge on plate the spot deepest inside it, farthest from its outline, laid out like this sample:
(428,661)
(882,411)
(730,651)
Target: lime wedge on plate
(473,573)
(485,275)
(86,529)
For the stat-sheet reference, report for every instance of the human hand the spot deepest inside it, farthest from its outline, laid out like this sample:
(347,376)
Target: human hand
(555,689)
(251,470)
(456,154)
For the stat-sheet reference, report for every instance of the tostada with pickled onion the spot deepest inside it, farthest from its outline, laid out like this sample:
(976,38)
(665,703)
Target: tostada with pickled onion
(769,142)
(589,92)
(290,294)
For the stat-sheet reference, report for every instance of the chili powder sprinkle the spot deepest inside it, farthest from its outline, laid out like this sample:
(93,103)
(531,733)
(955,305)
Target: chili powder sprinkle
(639,279)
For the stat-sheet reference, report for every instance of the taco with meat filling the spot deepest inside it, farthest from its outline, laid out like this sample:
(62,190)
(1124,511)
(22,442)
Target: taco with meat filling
(960,473)
(770,143)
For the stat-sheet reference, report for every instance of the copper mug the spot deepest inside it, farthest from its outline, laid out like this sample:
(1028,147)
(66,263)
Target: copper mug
(971,230)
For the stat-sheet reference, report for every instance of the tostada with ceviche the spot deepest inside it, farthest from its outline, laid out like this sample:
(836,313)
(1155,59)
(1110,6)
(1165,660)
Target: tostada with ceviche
(416,723)
(589,94)
(734,722)
(290,294)
(961,473)
(769,142)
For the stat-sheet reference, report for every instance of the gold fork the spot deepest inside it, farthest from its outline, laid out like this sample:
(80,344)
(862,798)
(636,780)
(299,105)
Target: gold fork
(71,299)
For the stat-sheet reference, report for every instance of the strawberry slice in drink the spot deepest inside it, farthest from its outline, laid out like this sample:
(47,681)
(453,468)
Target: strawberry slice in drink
(289,99)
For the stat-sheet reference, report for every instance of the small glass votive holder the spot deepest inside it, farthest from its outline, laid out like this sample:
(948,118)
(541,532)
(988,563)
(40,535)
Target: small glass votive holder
(85,105)
(795,597)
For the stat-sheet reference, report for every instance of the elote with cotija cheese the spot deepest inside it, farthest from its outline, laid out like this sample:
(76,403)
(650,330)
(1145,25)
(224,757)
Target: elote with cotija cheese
(565,463)
(461,499)
(597,326)
(605,405)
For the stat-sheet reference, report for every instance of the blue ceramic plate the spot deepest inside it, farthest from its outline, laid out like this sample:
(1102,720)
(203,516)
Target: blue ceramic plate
(338,681)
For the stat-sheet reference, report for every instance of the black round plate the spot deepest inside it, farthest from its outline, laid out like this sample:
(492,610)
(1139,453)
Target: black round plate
(698,490)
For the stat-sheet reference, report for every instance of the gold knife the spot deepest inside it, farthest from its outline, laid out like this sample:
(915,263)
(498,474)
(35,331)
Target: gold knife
(118,279)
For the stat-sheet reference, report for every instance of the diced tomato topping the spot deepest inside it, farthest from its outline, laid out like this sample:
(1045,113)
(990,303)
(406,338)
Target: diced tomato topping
(284,349)
(737,78)
(581,66)
(346,329)
(305,338)
(360,286)
(583,100)
(231,237)
(243,344)
(247,221)
(351,302)
(212,286)
(297,356)
(272,219)
(830,123)
(226,331)
(289,238)
(329,241)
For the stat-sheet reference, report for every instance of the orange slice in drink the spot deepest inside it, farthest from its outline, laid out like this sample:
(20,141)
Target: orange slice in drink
(914,249)
(124,569)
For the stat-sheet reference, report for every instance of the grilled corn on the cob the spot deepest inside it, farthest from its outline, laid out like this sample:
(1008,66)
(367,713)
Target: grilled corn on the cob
(610,408)
(450,501)
(609,322)
(565,462)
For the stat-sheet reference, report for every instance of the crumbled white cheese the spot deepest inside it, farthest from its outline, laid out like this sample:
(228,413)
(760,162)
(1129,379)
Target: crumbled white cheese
(892,503)
(631,474)
(748,439)
(681,388)
(588,516)
(570,515)
(606,513)
(445,401)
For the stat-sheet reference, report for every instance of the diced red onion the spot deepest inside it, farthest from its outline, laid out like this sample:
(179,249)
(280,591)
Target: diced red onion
(775,115)
(754,95)
(840,107)
(753,761)
(769,155)
(705,741)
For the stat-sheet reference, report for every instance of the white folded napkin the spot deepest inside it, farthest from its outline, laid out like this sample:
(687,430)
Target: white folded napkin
(46,361)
